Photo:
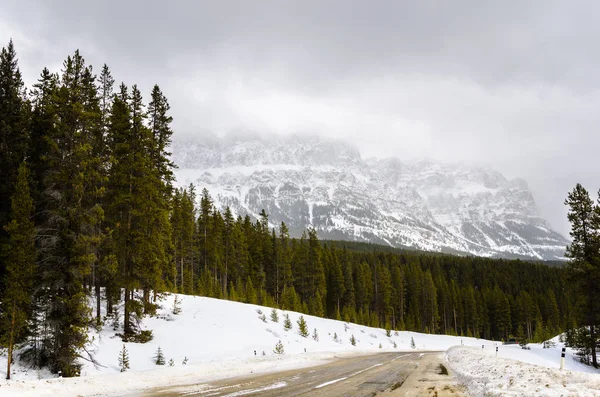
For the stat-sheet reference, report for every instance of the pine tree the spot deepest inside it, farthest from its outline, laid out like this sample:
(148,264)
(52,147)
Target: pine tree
(302,327)
(71,214)
(124,359)
(315,335)
(176,305)
(159,357)
(20,258)
(413,345)
(584,255)
(14,135)
(274,316)
(287,323)
(278,348)
(353,340)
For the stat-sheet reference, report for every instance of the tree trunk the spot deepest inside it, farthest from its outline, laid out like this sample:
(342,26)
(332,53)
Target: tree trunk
(11,340)
(126,322)
(98,302)
(593,338)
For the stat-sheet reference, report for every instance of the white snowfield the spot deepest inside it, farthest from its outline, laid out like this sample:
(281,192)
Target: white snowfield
(484,374)
(219,339)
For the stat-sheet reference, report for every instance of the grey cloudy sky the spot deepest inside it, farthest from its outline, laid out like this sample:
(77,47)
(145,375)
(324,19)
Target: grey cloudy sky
(511,84)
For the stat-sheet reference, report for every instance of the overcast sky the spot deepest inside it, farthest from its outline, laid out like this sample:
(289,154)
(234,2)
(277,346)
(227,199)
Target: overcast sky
(510,84)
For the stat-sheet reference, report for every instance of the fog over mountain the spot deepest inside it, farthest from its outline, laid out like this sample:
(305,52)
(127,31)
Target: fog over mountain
(509,85)
(307,181)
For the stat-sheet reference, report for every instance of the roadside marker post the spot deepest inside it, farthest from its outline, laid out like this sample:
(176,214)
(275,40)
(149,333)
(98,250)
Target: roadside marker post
(562,358)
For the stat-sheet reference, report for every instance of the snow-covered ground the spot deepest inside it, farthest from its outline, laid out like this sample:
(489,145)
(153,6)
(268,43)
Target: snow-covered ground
(220,338)
(484,374)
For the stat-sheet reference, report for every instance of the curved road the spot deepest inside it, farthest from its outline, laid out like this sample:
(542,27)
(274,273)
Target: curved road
(394,374)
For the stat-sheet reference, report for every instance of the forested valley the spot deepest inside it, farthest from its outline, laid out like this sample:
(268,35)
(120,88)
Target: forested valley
(89,208)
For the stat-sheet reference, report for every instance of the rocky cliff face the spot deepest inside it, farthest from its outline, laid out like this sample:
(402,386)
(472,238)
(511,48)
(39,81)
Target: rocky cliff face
(327,185)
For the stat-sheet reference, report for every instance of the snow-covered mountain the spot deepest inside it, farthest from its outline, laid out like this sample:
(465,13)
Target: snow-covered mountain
(326,184)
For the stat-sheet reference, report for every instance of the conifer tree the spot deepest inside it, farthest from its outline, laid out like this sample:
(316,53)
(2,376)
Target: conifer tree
(20,258)
(124,359)
(278,348)
(274,316)
(302,327)
(14,135)
(71,214)
(287,323)
(584,255)
(159,357)
(315,335)
(353,340)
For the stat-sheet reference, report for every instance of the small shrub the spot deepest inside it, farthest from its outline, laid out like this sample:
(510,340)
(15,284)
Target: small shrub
(412,343)
(315,335)
(263,318)
(185,361)
(388,333)
(171,363)
(353,340)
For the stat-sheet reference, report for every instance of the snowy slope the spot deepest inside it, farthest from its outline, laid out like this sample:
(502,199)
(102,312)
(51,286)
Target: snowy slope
(219,339)
(326,184)
(484,374)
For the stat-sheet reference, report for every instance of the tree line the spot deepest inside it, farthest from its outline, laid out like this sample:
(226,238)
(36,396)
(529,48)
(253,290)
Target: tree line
(88,209)
(243,260)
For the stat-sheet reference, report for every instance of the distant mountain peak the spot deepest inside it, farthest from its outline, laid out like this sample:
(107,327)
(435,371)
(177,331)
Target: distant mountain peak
(312,181)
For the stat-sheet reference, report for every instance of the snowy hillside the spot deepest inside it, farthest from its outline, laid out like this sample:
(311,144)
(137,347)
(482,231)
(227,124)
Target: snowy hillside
(219,340)
(326,184)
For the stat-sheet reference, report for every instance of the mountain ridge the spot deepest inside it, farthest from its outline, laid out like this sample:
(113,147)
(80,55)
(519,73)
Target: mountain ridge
(326,184)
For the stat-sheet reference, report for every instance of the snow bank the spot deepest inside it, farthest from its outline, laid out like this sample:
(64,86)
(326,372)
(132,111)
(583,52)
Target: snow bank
(485,375)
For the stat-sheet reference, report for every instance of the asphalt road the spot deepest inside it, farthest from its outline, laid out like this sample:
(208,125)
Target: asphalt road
(394,374)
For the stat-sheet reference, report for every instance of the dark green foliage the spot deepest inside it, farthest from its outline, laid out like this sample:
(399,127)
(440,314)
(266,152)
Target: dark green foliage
(412,343)
(20,257)
(353,340)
